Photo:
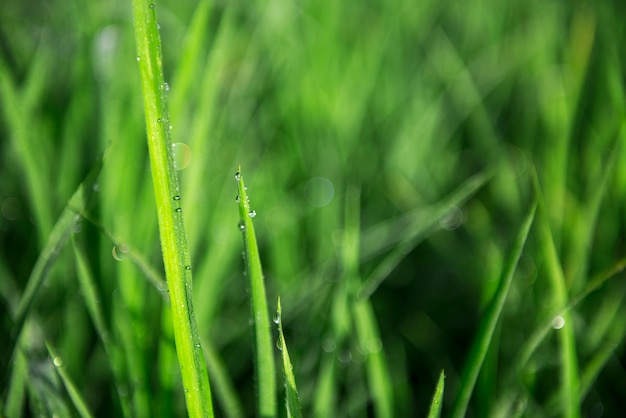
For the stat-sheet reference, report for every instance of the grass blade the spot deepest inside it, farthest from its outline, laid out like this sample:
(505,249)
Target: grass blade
(70,387)
(292,400)
(167,195)
(265,367)
(569,363)
(60,232)
(488,324)
(92,298)
(379,380)
(437,402)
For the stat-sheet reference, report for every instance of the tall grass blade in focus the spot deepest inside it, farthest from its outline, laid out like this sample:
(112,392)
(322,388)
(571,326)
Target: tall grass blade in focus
(437,401)
(265,369)
(168,196)
(292,400)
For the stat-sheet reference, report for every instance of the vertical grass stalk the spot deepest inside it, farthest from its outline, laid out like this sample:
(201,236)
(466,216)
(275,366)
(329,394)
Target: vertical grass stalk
(264,349)
(169,213)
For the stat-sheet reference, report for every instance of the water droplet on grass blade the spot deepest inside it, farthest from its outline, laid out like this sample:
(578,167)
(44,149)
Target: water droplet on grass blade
(276,319)
(119,252)
(57,361)
(252,213)
(177,197)
(238,199)
(188,267)
(179,210)
(558,322)
(237,176)
(279,344)
(241,225)
(182,155)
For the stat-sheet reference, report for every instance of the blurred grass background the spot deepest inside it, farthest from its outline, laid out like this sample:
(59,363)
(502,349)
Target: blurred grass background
(352,120)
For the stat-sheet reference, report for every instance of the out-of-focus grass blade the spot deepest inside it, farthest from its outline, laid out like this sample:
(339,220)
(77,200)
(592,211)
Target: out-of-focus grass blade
(437,402)
(569,363)
(17,386)
(490,319)
(410,230)
(222,383)
(292,400)
(70,387)
(379,381)
(325,395)
(60,232)
(265,367)
(92,298)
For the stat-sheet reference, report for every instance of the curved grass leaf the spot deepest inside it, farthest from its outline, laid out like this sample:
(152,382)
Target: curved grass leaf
(264,362)
(292,400)
(488,324)
(169,213)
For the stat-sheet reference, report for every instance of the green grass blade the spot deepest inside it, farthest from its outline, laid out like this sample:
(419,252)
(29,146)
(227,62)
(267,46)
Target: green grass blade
(292,400)
(17,386)
(437,402)
(60,232)
(411,229)
(222,384)
(488,324)
(94,307)
(167,195)
(70,387)
(569,363)
(265,367)
(378,376)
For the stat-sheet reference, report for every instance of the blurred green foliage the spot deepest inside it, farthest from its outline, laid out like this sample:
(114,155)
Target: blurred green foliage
(352,121)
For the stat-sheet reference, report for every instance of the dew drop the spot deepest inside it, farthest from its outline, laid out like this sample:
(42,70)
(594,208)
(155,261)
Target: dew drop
(277,319)
(241,225)
(237,176)
(237,199)
(177,197)
(252,213)
(453,219)
(279,344)
(245,187)
(138,58)
(182,155)
(166,86)
(188,267)
(179,210)
(197,345)
(152,5)
(119,252)
(558,322)
(159,120)
(57,361)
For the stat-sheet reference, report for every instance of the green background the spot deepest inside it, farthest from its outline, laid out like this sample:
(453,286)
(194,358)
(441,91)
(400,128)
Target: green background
(379,108)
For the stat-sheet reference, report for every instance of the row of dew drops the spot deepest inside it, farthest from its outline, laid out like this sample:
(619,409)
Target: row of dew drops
(251,212)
